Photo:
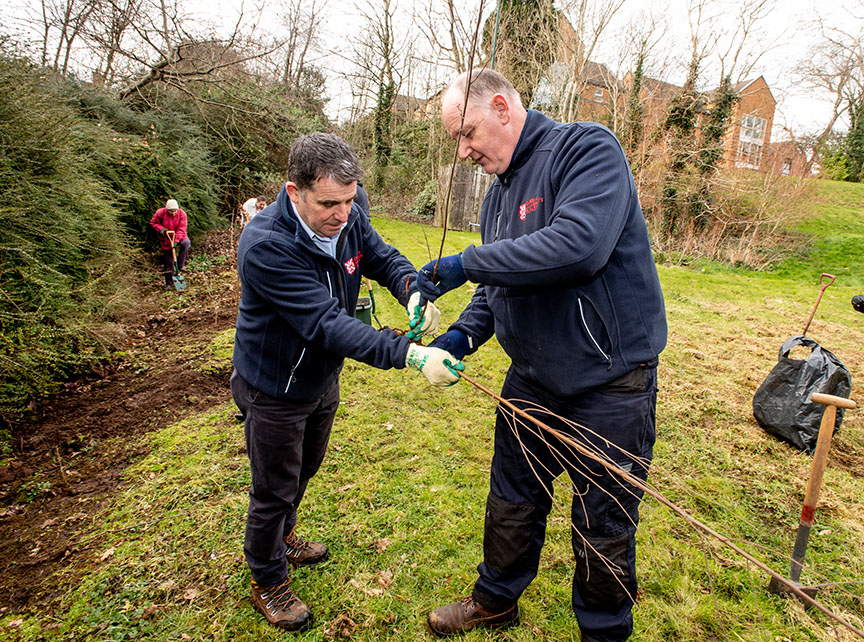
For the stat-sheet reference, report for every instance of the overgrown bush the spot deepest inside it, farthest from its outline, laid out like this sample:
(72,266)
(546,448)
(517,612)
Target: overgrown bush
(82,172)
(151,156)
(63,255)
(249,125)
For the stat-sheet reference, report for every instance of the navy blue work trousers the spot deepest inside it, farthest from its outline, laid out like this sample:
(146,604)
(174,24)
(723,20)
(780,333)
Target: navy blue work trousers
(618,422)
(286,444)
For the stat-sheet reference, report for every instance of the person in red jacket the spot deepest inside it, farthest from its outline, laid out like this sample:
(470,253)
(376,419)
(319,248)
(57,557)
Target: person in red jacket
(171,218)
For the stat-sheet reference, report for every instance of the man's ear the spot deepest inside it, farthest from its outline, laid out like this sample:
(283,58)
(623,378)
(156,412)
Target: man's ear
(293,192)
(501,108)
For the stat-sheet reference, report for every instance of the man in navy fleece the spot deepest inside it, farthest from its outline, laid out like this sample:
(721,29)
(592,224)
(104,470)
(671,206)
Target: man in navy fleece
(301,262)
(568,285)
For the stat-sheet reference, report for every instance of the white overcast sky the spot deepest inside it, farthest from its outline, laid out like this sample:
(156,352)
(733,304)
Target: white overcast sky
(789,27)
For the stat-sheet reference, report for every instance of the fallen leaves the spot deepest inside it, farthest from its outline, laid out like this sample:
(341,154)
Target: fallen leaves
(342,627)
(380,545)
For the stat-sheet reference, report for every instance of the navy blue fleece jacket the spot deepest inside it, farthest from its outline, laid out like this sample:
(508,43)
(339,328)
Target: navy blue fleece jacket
(568,281)
(296,322)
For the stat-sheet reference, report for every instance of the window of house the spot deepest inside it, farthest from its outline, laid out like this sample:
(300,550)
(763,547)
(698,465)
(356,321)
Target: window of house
(787,167)
(750,141)
(749,155)
(598,94)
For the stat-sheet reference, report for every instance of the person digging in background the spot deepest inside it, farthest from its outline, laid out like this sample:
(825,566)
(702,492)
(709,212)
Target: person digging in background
(251,207)
(171,218)
(301,262)
(568,285)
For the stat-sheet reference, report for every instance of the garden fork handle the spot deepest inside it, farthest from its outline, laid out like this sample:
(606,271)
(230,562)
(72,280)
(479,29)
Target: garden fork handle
(825,282)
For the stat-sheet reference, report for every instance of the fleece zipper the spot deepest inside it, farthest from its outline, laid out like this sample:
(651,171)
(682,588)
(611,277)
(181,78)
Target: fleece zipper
(291,376)
(607,357)
(303,352)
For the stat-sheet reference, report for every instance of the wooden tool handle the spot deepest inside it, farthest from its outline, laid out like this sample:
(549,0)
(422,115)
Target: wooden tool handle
(831,400)
(825,280)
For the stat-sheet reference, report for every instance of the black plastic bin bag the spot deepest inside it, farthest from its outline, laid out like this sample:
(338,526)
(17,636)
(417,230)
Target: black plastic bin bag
(782,403)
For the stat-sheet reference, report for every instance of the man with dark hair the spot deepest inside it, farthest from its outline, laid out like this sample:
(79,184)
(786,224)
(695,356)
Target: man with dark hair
(301,261)
(568,285)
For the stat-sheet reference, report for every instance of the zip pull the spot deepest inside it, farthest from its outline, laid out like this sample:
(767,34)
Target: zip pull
(291,377)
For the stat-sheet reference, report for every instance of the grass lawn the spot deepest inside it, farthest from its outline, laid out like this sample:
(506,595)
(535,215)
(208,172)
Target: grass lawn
(401,494)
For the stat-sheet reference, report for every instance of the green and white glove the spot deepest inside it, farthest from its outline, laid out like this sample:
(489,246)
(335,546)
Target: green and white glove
(439,367)
(421,322)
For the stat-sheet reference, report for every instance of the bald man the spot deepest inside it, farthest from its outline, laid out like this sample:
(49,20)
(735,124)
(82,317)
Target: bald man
(568,285)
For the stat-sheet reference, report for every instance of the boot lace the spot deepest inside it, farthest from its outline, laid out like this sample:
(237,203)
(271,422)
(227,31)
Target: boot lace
(279,597)
(295,544)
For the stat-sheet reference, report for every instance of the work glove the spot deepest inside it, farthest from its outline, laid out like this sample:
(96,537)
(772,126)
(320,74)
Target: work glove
(163,232)
(449,275)
(439,367)
(453,341)
(421,319)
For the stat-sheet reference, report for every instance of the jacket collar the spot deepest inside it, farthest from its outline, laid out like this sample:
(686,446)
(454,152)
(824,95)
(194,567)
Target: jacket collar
(535,128)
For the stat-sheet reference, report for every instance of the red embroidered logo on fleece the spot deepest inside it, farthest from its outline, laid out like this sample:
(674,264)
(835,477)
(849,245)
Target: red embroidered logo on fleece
(353,263)
(529,206)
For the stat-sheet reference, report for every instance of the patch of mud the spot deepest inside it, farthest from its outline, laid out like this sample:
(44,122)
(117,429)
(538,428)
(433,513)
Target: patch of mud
(70,455)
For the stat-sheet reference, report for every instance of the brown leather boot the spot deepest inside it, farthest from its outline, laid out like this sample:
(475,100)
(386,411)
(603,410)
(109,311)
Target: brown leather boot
(302,552)
(281,606)
(467,614)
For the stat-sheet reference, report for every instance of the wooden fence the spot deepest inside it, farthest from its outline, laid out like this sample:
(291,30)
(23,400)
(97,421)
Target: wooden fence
(469,187)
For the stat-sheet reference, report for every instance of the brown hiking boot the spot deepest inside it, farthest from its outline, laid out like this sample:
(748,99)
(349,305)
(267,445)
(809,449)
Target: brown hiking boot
(281,606)
(467,614)
(302,552)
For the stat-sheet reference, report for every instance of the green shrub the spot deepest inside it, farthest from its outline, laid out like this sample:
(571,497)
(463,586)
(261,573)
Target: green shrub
(423,205)
(151,156)
(63,255)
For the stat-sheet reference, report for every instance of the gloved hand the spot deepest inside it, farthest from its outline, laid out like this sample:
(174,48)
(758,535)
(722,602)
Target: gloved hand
(439,367)
(421,321)
(453,341)
(163,232)
(175,244)
(450,274)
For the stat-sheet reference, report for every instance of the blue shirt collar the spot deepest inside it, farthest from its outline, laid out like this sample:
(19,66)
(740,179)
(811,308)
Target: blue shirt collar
(326,244)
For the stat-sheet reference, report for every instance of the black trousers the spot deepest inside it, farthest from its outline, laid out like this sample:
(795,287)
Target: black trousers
(620,421)
(182,251)
(286,444)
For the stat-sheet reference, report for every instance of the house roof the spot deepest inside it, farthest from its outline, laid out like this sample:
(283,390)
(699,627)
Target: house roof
(596,73)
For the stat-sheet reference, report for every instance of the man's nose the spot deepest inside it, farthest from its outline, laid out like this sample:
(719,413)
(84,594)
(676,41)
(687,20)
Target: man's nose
(342,212)
(464,149)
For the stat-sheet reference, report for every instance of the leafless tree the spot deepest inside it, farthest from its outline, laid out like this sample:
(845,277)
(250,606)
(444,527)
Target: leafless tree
(67,19)
(301,20)
(582,28)
(835,66)
(740,48)
(448,27)
(381,56)
(106,35)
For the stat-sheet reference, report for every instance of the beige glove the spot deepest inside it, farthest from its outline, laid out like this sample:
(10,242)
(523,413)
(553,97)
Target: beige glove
(438,366)
(421,321)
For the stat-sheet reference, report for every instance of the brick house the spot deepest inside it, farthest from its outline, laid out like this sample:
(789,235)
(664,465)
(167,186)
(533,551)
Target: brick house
(787,157)
(749,133)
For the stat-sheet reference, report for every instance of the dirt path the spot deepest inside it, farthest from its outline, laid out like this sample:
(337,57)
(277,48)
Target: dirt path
(70,456)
